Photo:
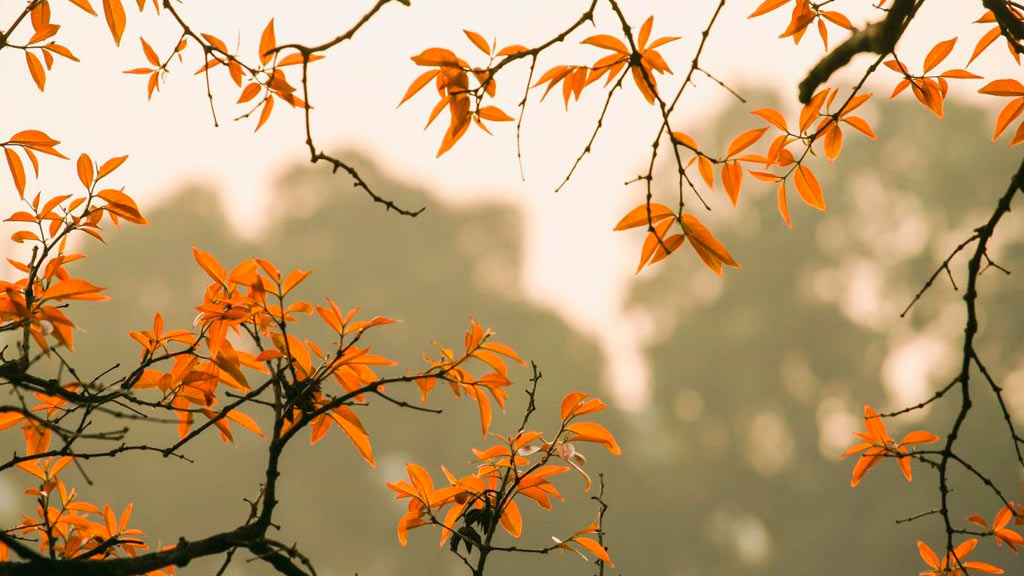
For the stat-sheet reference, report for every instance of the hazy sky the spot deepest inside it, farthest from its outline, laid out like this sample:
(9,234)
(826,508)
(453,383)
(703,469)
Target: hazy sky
(574,263)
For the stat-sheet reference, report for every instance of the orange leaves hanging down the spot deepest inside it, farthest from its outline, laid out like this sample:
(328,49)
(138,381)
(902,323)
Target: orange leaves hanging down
(878,445)
(461,88)
(929,89)
(451,368)
(821,119)
(643,63)
(1007,88)
(469,508)
(658,244)
(804,14)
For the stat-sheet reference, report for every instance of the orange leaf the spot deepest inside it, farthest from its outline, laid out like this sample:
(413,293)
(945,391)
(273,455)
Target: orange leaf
(511,519)
(708,248)
(595,548)
(268,107)
(732,179)
(35,68)
(113,11)
(494,114)
(607,42)
(513,49)
(72,289)
(685,139)
(860,125)
(773,117)
(151,55)
(783,204)
(744,141)
(110,165)
(1018,136)
(17,170)
(436,57)
(478,41)
(838,19)
(267,43)
(593,432)
(418,84)
(85,170)
(984,42)
(833,141)
(707,171)
(652,243)
(638,216)
(808,188)
(244,421)
(938,54)
(767,6)
(210,265)
(1005,87)
(84,5)
(293,59)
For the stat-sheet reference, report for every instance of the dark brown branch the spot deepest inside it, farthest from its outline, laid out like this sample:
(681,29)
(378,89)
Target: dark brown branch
(878,38)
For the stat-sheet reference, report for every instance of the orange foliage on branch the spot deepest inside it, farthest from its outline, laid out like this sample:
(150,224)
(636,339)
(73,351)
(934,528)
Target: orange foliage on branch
(245,361)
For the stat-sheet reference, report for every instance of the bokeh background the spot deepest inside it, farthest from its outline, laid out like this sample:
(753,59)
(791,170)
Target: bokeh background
(732,397)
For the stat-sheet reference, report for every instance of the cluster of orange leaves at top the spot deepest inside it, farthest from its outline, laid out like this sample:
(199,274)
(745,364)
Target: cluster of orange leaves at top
(878,444)
(451,75)
(41,42)
(463,88)
(517,466)
(260,85)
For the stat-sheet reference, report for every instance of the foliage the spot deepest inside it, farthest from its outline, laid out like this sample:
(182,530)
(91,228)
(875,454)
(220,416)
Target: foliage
(243,351)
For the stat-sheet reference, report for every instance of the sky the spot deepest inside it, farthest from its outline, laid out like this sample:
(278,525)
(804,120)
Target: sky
(573,262)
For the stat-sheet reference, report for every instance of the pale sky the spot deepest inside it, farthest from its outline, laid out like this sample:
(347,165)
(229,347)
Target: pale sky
(573,262)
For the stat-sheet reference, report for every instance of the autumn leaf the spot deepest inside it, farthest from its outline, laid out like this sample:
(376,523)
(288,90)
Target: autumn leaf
(268,42)
(708,248)
(35,68)
(639,216)
(478,41)
(808,188)
(72,289)
(17,170)
(113,11)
